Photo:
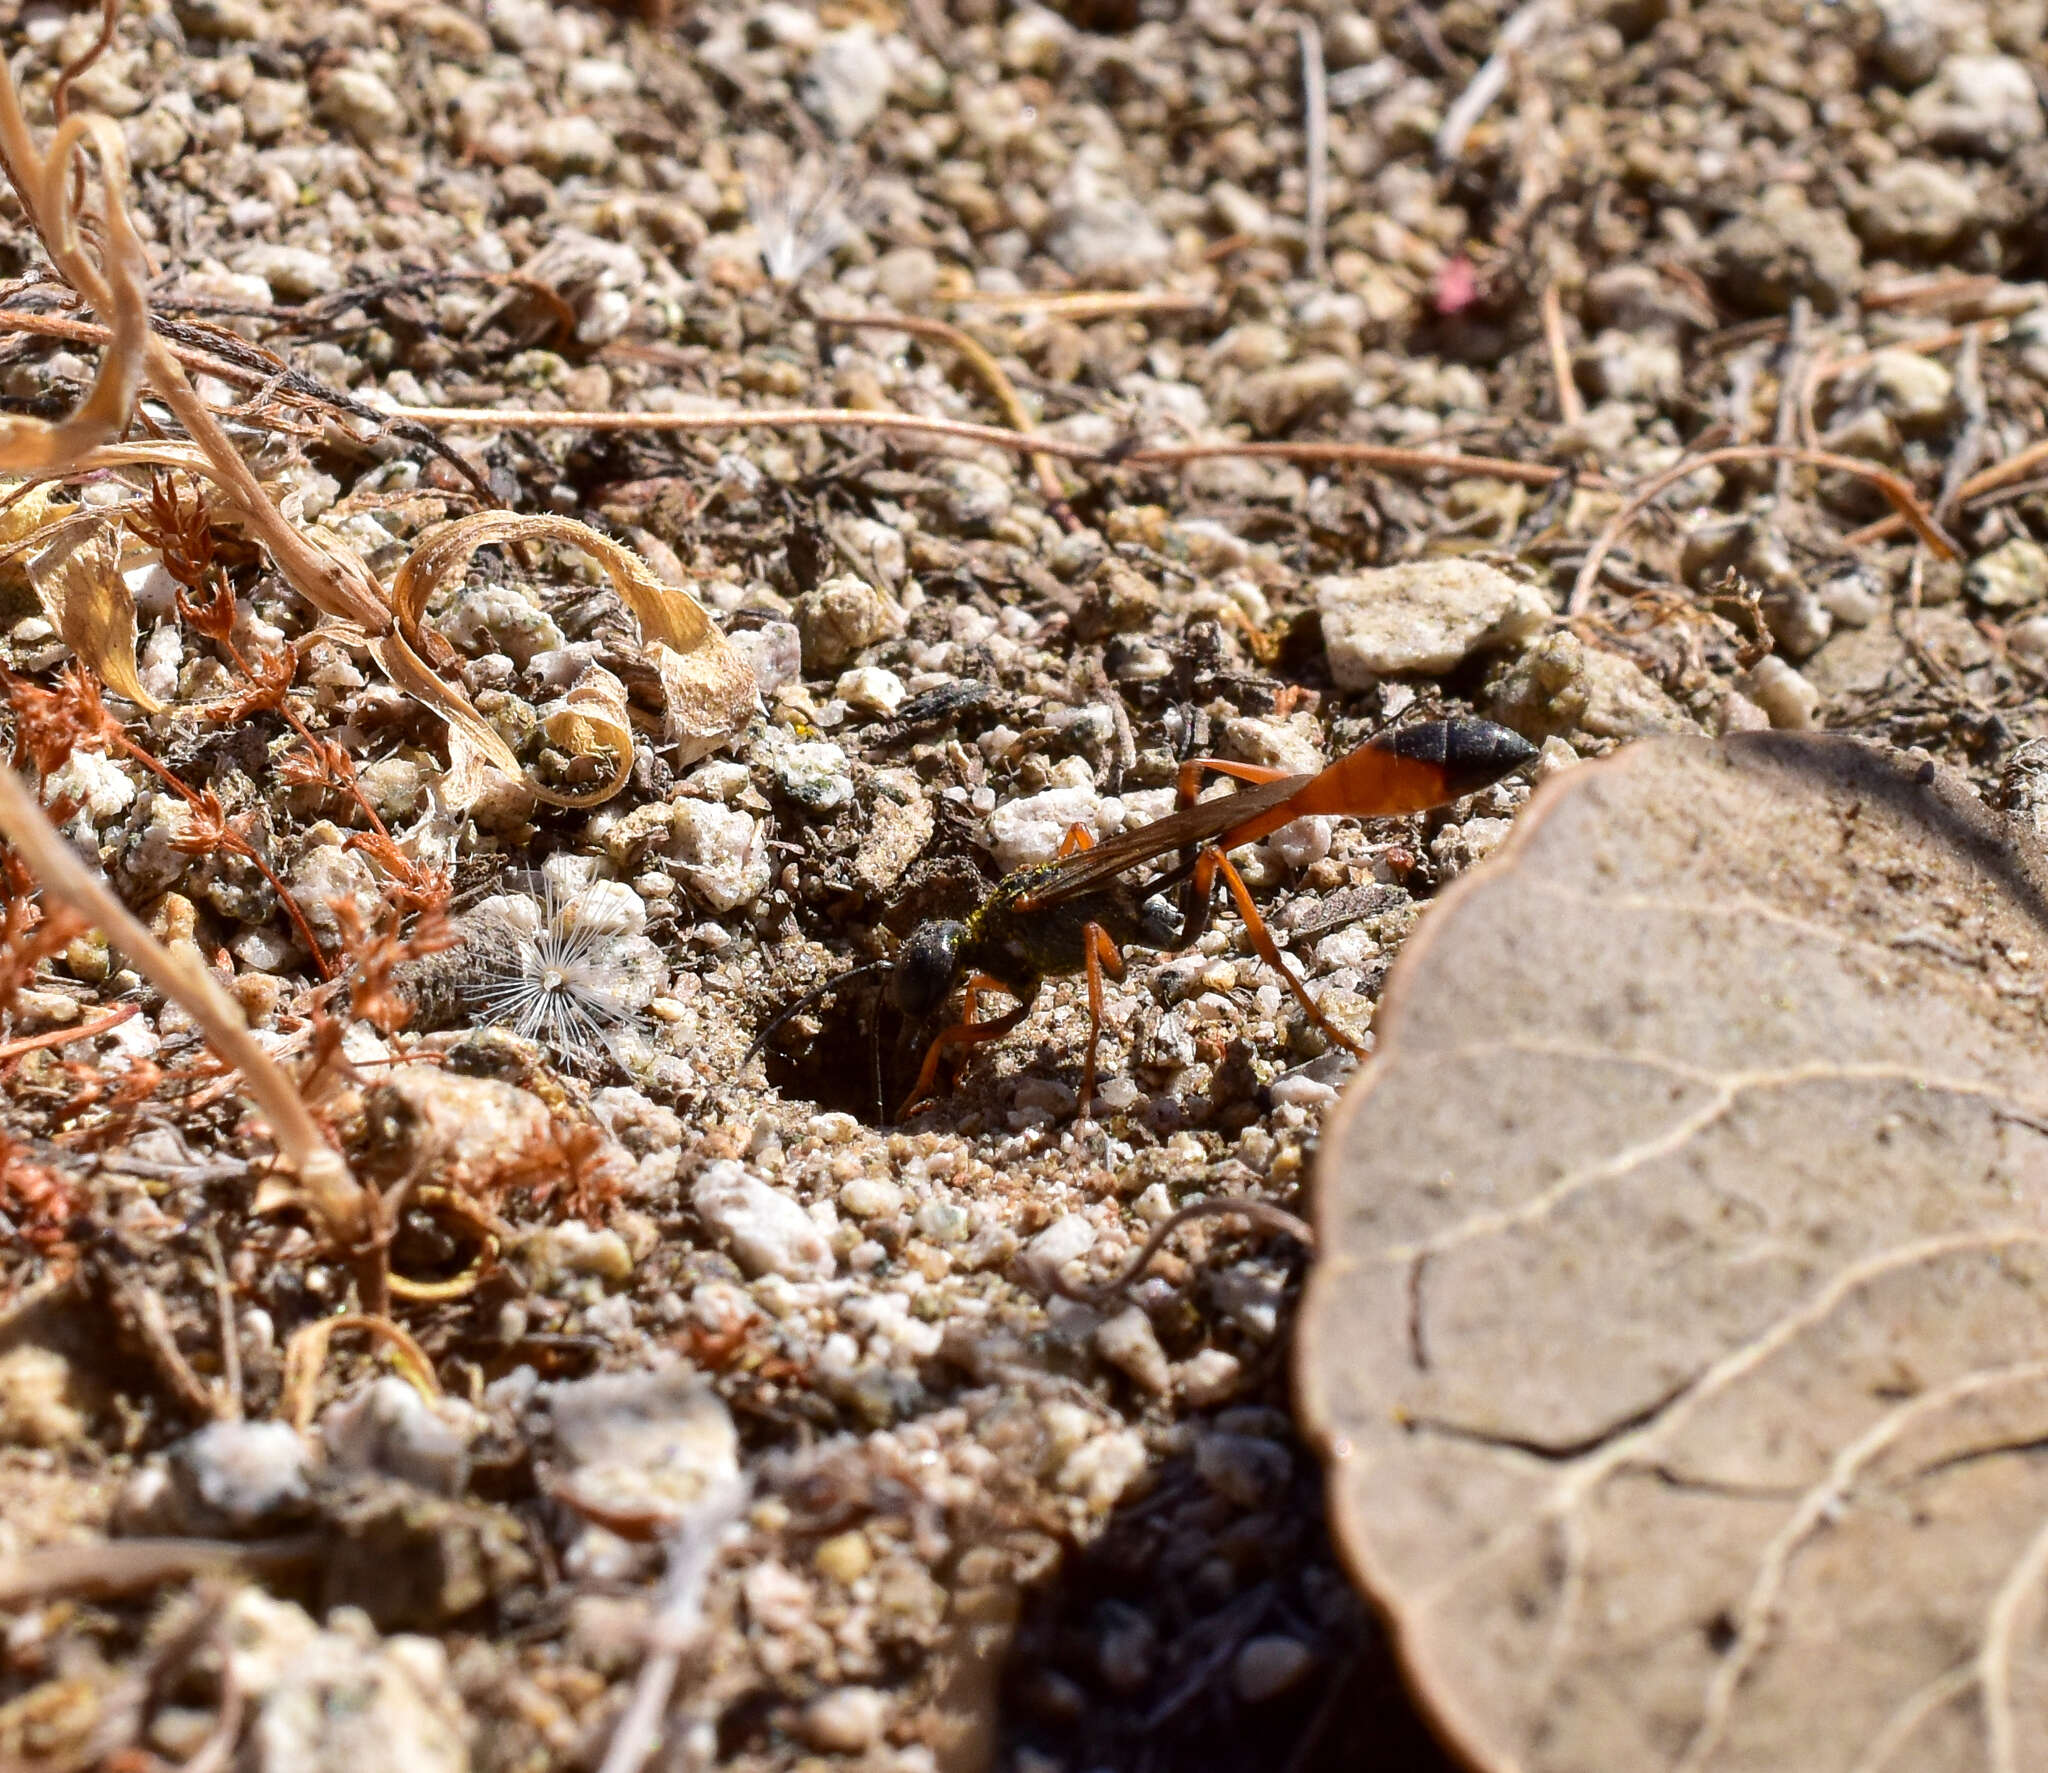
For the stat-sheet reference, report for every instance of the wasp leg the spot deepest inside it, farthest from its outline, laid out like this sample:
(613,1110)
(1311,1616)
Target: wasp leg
(1187,786)
(1102,958)
(1196,905)
(969,1003)
(1208,866)
(1077,839)
(964,1034)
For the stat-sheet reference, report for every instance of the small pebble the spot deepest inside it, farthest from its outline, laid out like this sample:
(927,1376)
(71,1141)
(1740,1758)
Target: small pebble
(768,1232)
(1425,617)
(2012,576)
(236,1477)
(1242,1468)
(845,1721)
(1210,1377)
(1788,700)
(1065,1240)
(868,689)
(840,618)
(845,1557)
(1128,1343)
(387,1426)
(871,1197)
(1269,1666)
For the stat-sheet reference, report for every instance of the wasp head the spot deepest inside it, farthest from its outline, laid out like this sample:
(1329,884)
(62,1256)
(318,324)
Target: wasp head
(926,966)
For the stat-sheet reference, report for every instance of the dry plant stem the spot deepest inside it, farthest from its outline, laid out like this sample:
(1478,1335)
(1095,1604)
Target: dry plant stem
(1571,404)
(127,1566)
(337,584)
(1083,304)
(1969,445)
(147,1316)
(1893,486)
(343,1208)
(472,1219)
(115,290)
(1262,1213)
(1991,296)
(1795,383)
(489,418)
(977,358)
(88,332)
(63,1037)
(1491,80)
(1385,457)
(60,94)
(235,846)
(42,182)
(1315,126)
(230,1390)
(678,1619)
(1926,344)
(306,1354)
(2015,467)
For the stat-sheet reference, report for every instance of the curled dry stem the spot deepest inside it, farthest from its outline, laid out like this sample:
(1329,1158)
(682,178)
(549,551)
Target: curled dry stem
(1262,1213)
(305,1355)
(323,1181)
(982,362)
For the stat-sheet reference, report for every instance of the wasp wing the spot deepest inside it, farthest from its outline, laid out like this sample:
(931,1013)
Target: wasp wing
(1088,869)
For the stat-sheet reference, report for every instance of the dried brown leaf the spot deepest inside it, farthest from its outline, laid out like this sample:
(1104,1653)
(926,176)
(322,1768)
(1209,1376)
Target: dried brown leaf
(591,721)
(1680,1338)
(77,576)
(709,686)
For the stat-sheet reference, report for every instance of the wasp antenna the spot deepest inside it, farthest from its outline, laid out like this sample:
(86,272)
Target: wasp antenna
(801,1004)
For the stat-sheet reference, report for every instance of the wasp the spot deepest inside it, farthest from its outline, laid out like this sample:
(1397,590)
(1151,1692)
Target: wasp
(1077,913)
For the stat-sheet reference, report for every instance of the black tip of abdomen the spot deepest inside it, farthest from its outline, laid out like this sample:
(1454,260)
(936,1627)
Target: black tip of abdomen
(1471,753)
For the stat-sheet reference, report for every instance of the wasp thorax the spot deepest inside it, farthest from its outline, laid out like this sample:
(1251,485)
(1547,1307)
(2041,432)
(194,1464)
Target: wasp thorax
(926,966)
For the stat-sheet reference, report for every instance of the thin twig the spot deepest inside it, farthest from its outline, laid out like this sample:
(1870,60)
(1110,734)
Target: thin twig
(1970,440)
(982,362)
(142,1307)
(1082,304)
(1262,1213)
(60,94)
(305,1355)
(1893,486)
(1792,384)
(1989,295)
(1571,404)
(127,1566)
(230,1338)
(741,419)
(1386,457)
(2014,467)
(677,1622)
(63,1037)
(1315,123)
(1492,78)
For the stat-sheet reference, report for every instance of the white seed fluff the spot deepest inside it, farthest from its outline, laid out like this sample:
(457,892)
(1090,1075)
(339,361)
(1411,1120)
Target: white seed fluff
(801,216)
(553,977)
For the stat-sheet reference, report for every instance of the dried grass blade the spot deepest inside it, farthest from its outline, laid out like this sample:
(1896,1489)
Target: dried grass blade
(322,1179)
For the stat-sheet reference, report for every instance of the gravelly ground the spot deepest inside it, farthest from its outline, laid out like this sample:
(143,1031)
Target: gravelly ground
(972,1521)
